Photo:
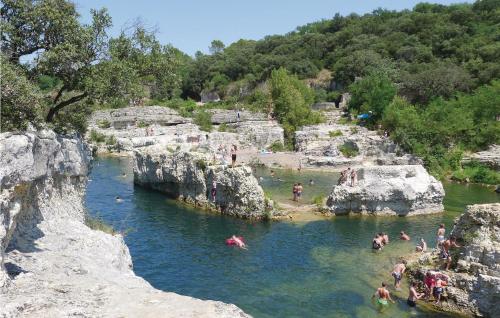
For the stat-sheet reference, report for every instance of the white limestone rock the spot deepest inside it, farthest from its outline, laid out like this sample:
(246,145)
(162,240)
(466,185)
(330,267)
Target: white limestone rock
(52,264)
(390,190)
(188,177)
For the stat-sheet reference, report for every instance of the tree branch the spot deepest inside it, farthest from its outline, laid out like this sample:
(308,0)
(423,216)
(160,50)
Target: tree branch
(56,99)
(58,107)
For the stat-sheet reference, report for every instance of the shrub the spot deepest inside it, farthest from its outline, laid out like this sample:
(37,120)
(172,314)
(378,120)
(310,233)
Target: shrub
(318,200)
(204,120)
(97,137)
(477,173)
(97,224)
(201,164)
(142,124)
(334,133)
(349,149)
(111,140)
(103,124)
(277,146)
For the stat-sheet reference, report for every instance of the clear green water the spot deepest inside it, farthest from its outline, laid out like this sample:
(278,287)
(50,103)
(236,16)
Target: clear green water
(292,269)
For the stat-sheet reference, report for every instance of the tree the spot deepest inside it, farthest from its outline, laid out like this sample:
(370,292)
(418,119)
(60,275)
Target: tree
(291,99)
(21,99)
(217,46)
(372,93)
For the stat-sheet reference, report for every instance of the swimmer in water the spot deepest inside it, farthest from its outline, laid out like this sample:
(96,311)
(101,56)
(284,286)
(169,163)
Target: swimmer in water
(403,236)
(383,296)
(377,243)
(311,182)
(118,199)
(239,242)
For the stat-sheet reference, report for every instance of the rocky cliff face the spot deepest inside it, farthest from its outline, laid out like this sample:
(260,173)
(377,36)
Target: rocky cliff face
(474,285)
(189,176)
(391,190)
(52,264)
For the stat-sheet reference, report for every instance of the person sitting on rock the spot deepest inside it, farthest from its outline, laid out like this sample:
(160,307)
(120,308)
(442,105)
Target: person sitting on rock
(422,246)
(445,250)
(403,236)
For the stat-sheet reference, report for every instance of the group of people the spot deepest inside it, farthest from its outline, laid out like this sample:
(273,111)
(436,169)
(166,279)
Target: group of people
(222,153)
(434,282)
(297,191)
(348,176)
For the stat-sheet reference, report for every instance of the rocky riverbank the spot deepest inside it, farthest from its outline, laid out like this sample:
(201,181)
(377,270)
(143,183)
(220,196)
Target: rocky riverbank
(474,285)
(52,264)
(388,190)
(189,177)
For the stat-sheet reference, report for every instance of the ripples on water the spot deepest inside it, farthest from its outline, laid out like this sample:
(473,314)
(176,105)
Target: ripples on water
(292,269)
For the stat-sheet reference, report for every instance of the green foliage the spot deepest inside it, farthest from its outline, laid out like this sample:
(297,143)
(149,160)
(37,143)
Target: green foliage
(103,124)
(372,93)
(97,137)
(277,146)
(334,133)
(349,149)
(21,102)
(111,140)
(203,119)
(201,164)
(318,200)
(292,100)
(477,173)
(439,132)
(142,124)
(98,224)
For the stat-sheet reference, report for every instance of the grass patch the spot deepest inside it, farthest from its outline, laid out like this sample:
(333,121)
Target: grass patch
(334,133)
(318,200)
(349,149)
(142,124)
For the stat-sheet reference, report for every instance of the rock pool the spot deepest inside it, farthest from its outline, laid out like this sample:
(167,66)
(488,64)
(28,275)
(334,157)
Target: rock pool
(320,268)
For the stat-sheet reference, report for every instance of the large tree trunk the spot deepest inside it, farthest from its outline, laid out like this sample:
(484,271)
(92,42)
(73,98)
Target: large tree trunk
(53,111)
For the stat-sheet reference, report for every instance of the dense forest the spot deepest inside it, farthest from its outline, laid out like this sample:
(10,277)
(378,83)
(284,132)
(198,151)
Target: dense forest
(428,75)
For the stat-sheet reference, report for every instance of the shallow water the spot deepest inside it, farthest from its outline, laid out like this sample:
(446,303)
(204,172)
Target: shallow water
(292,269)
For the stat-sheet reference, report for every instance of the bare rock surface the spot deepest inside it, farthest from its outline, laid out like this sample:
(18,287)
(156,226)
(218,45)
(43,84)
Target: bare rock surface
(474,285)
(52,264)
(226,116)
(391,190)
(489,157)
(189,177)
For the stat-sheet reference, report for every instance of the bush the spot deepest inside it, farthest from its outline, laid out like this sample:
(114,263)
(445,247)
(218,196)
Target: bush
(334,133)
(103,124)
(277,146)
(97,137)
(318,200)
(111,140)
(142,124)
(97,224)
(201,164)
(477,173)
(204,120)
(349,149)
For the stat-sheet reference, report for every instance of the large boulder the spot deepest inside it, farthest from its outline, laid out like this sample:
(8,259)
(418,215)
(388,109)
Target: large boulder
(51,263)
(188,177)
(391,190)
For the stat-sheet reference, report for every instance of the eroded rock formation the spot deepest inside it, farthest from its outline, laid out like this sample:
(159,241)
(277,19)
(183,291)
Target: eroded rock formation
(189,177)
(52,264)
(391,190)
(474,286)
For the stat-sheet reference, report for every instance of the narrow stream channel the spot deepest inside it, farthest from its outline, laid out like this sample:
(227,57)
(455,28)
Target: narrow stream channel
(322,268)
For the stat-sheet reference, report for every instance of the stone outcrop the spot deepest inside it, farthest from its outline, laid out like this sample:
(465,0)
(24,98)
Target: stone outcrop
(52,264)
(130,117)
(474,285)
(189,176)
(226,116)
(322,145)
(390,190)
(489,157)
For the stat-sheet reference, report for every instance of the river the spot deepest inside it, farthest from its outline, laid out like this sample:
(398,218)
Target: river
(318,268)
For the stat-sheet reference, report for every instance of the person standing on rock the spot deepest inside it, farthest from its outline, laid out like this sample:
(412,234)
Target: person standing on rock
(445,250)
(233,155)
(440,235)
(354,178)
(348,176)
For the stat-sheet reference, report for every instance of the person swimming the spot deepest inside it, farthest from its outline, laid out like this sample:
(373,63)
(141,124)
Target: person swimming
(118,199)
(403,236)
(311,182)
(238,242)
(385,238)
(383,296)
(377,243)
